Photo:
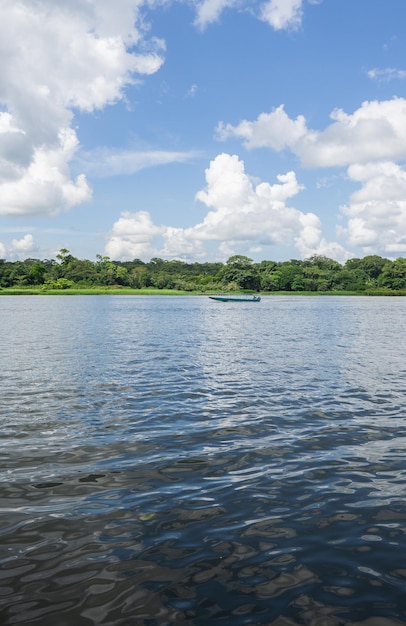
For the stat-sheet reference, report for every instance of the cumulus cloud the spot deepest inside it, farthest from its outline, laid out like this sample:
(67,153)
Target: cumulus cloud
(240,211)
(19,248)
(270,130)
(24,245)
(76,56)
(133,237)
(367,142)
(179,243)
(209,11)
(374,132)
(311,241)
(279,14)
(377,210)
(44,185)
(282,14)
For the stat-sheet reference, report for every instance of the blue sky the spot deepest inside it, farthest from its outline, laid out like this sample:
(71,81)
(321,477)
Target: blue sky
(199,130)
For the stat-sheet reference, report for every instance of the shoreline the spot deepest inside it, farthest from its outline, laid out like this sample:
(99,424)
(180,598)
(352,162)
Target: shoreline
(124,291)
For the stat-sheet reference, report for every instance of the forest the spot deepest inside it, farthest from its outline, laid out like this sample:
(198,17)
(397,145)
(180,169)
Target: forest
(240,273)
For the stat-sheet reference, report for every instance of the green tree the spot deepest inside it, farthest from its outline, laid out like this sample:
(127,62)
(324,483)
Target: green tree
(320,273)
(37,273)
(139,277)
(290,274)
(106,270)
(64,256)
(372,265)
(393,275)
(322,262)
(271,281)
(351,279)
(240,270)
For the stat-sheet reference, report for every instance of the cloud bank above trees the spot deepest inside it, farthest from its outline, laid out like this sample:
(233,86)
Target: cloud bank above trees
(366,142)
(239,210)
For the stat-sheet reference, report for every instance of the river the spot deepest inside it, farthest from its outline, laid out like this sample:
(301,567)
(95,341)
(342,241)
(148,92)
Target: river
(175,460)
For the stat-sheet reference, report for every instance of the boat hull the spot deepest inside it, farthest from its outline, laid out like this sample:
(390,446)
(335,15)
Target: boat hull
(236,298)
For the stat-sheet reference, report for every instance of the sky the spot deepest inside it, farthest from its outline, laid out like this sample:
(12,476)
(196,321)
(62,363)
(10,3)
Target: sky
(197,130)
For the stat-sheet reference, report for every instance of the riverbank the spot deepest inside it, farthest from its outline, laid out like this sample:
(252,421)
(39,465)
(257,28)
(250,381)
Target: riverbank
(127,291)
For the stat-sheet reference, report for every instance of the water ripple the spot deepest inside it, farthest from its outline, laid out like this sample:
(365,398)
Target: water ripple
(170,461)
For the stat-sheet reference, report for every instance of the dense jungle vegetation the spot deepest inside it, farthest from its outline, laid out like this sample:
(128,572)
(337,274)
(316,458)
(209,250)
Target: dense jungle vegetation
(316,274)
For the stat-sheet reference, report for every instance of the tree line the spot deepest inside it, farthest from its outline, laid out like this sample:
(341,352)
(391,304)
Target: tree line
(317,273)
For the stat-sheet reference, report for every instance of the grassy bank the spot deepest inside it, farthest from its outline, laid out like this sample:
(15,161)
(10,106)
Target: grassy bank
(117,290)
(90,291)
(369,292)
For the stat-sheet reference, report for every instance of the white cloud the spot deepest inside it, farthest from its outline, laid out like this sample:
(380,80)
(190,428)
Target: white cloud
(133,236)
(368,142)
(377,211)
(191,92)
(104,162)
(45,186)
(279,14)
(387,74)
(209,11)
(374,132)
(282,14)
(24,245)
(240,212)
(19,248)
(15,148)
(311,241)
(271,130)
(179,243)
(76,55)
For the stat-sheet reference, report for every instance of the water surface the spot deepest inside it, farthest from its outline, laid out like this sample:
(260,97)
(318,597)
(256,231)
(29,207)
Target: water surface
(169,460)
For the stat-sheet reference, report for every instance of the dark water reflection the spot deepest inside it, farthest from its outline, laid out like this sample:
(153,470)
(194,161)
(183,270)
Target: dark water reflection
(174,461)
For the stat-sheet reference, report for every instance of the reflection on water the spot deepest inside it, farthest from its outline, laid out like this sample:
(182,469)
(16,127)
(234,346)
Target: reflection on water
(174,461)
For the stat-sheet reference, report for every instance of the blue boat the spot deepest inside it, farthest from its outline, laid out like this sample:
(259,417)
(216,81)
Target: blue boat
(237,298)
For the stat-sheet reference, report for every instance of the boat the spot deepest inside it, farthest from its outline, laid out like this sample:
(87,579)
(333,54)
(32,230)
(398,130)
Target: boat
(237,298)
